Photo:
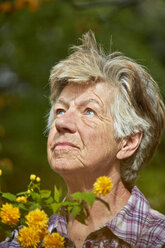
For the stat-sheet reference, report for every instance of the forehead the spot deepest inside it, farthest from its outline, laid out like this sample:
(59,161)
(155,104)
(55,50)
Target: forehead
(103,92)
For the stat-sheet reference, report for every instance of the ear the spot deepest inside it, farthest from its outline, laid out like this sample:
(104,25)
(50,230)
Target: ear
(129,145)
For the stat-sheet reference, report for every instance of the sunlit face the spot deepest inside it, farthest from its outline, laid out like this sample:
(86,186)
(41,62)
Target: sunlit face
(81,137)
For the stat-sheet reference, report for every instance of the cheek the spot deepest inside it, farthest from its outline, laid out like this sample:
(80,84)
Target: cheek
(103,140)
(50,140)
(49,153)
(97,138)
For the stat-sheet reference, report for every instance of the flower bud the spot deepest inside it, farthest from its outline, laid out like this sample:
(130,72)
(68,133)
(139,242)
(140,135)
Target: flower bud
(32,177)
(38,179)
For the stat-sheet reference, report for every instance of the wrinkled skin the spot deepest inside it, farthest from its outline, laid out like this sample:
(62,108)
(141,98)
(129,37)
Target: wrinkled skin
(81,139)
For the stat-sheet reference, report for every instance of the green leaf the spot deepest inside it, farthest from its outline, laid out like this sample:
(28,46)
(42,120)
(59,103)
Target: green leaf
(70,208)
(21,206)
(21,193)
(84,196)
(8,233)
(49,200)
(55,207)
(57,194)
(9,196)
(45,193)
(34,205)
(68,203)
(82,216)
(75,211)
(35,196)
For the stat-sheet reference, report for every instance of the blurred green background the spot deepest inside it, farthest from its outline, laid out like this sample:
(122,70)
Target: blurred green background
(34,35)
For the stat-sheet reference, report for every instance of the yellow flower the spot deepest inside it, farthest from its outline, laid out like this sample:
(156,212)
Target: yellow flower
(32,177)
(54,240)
(21,199)
(28,237)
(38,219)
(0,172)
(29,191)
(10,215)
(38,179)
(102,186)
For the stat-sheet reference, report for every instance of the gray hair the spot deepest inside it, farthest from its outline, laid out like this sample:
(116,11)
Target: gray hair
(137,107)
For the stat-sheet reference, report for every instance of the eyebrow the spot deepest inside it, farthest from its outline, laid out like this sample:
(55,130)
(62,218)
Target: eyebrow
(82,102)
(62,101)
(89,100)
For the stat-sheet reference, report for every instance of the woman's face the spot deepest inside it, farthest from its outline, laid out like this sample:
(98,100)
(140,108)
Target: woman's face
(82,136)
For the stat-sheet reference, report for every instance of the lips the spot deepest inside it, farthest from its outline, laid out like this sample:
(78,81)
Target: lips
(64,145)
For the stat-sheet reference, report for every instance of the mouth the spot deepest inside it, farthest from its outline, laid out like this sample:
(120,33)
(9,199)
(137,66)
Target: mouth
(64,146)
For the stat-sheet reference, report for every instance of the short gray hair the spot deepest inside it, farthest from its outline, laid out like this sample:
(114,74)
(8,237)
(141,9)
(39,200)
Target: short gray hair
(137,106)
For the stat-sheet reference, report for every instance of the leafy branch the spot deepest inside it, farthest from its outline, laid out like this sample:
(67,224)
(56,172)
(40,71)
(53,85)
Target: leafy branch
(34,197)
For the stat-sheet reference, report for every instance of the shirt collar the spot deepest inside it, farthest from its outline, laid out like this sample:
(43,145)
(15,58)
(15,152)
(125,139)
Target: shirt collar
(128,223)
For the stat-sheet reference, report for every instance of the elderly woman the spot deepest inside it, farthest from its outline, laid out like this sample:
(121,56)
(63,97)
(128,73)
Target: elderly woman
(106,119)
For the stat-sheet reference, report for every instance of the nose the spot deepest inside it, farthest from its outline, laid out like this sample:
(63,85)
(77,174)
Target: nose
(66,122)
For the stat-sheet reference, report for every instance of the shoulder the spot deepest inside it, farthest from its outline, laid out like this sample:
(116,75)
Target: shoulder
(154,228)
(151,222)
(157,216)
(156,222)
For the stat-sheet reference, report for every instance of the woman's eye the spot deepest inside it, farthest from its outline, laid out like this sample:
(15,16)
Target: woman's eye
(60,111)
(89,111)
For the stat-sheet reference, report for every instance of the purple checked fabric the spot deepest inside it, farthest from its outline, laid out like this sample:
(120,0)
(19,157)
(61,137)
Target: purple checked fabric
(136,225)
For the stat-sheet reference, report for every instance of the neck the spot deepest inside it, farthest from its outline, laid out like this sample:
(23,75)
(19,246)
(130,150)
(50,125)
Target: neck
(116,199)
(99,214)
(82,181)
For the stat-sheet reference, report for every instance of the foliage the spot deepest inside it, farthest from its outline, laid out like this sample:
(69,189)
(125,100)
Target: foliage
(36,204)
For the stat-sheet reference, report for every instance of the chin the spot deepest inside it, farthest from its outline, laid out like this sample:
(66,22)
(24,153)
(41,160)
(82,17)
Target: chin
(64,167)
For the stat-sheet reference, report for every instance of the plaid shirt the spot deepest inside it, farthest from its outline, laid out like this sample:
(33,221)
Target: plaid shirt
(136,225)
